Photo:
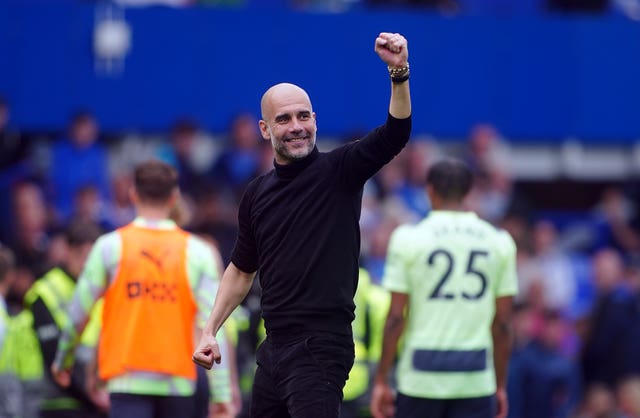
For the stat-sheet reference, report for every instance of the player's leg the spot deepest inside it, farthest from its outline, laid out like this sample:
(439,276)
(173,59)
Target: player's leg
(124,405)
(483,407)
(317,368)
(173,406)
(411,407)
(266,401)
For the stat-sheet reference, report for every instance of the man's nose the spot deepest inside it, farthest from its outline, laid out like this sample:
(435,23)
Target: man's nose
(296,126)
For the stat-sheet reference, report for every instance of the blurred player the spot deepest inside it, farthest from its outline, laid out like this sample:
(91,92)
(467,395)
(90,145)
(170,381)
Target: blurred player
(452,279)
(157,282)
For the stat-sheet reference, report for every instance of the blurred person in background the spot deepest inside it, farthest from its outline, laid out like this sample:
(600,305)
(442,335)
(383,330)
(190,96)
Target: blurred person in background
(119,210)
(525,326)
(214,215)
(158,283)
(420,155)
(298,227)
(14,153)
(88,207)
(191,154)
(239,162)
(48,301)
(628,397)
(452,311)
(633,279)
(606,332)
(372,304)
(618,222)
(544,382)
(598,402)
(375,257)
(77,160)
(13,149)
(486,151)
(487,155)
(10,387)
(31,237)
(548,269)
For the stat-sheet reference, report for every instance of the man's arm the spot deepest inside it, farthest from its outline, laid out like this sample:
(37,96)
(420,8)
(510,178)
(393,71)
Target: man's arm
(392,48)
(502,341)
(365,157)
(382,397)
(234,286)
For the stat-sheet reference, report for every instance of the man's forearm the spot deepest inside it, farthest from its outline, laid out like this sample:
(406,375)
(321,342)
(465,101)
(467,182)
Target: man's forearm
(502,342)
(393,329)
(234,286)
(400,103)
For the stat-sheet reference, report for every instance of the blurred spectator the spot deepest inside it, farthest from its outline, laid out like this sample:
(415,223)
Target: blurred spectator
(13,148)
(486,151)
(606,335)
(87,207)
(598,402)
(618,219)
(214,215)
(32,227)
(13,164)
(120,210)
(545,383)
(628,396)
(420,155)
(48,300)
(374,260)
(487,155)
(191,153)
(7,261)
(10,143)
(77,161)
(633,280)
(240,161)
(10,386)
(548,269)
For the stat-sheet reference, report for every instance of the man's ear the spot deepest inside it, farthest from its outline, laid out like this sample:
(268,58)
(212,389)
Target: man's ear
(264,130)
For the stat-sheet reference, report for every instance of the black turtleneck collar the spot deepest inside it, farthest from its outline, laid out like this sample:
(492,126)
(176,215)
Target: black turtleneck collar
(291,170)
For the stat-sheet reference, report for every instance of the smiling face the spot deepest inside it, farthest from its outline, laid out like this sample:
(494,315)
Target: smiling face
(288,121)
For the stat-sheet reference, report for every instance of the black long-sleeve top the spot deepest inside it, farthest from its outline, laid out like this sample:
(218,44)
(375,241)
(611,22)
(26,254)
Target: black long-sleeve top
(299,228)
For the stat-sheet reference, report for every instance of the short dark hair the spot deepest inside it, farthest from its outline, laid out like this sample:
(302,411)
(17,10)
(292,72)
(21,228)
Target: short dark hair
(80,232)
(154,181)
(451,179)
(7,261)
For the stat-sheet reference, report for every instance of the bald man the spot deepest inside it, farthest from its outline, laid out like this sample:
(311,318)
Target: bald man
(299,229)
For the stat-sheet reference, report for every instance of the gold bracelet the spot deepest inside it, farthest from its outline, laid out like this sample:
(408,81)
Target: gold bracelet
(398,71)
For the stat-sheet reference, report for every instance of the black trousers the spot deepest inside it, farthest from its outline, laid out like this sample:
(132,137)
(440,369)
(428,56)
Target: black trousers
(301,376)
(126,405)
(410,407)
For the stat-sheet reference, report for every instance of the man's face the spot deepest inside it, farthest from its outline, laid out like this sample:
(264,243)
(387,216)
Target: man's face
(290,125)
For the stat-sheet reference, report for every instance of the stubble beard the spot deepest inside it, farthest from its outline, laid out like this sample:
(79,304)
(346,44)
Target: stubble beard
(281,149)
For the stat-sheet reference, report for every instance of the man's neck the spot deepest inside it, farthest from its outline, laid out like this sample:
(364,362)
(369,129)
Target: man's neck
(151,213)
(450,206)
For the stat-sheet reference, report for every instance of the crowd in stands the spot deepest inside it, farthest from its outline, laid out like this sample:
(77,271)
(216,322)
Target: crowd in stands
(577,321)
(628,8)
